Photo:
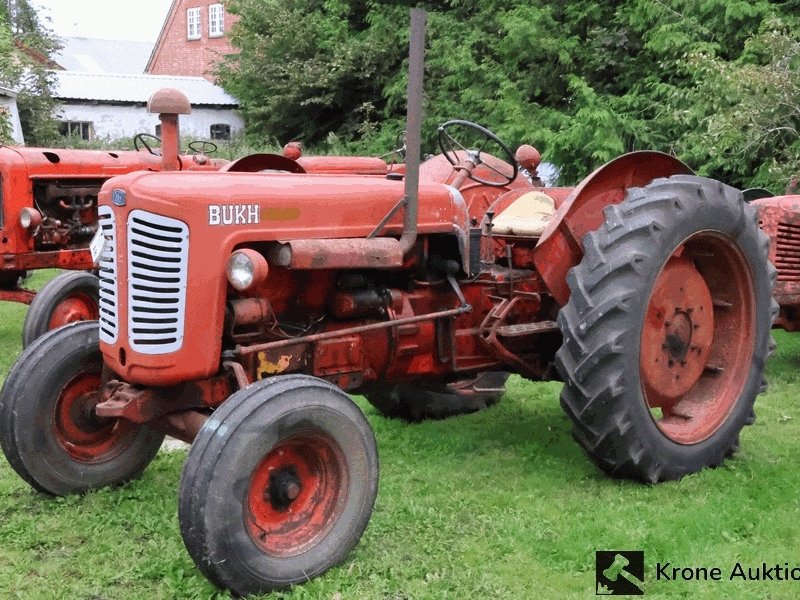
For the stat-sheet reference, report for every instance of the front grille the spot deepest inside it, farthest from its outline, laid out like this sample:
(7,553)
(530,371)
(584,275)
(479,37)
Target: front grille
(107,272)
(787,252)
(158,249)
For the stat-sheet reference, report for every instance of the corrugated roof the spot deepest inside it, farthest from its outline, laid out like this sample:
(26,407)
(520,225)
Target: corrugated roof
(92,55)
(106,87)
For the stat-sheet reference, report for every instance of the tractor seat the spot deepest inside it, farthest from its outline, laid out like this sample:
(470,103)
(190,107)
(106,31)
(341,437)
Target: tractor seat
(528,215)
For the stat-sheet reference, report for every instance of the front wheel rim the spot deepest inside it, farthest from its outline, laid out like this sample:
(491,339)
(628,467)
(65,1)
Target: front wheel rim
(296,493)
(75,307)
(698,337)
(80,433)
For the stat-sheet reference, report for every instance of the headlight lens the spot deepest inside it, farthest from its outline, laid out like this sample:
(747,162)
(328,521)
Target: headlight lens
(29,217)
(246,269)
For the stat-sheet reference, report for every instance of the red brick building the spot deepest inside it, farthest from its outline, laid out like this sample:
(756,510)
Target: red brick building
(194,37)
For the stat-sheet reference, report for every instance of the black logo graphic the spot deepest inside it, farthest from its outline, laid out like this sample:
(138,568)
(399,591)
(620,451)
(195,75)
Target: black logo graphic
(619,572)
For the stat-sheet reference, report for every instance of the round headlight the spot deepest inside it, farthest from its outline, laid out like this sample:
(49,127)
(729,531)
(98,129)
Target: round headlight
(29,217)
(246,269)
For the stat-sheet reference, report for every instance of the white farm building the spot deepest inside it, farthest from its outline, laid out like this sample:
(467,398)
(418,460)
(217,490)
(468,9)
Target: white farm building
(106,105)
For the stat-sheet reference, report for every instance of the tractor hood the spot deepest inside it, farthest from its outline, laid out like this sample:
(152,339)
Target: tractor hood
(187,225)
(785,203)
(58,162)
(234,208)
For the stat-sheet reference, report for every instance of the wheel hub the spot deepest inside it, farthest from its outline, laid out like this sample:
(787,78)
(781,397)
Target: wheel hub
(295,493)
(678,335)
(74,308)
(80,432)
(678,332)
(284,487)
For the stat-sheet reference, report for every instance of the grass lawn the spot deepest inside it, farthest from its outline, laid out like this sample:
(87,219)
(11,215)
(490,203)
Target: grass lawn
(501,504)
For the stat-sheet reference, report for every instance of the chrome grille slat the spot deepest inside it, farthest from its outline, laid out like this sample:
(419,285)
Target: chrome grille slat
(107,271)
(158,250)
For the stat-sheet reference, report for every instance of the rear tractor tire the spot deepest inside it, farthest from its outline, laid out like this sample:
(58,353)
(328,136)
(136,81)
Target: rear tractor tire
(48,429)
(414,403)
(67,298)
(667,330)
(279,485)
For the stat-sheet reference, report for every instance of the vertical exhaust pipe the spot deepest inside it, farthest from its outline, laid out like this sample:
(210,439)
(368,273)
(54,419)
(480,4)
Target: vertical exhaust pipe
(169,103)
(416,66)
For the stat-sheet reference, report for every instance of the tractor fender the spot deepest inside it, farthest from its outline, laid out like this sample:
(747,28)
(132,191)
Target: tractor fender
(263,161)
(560,247)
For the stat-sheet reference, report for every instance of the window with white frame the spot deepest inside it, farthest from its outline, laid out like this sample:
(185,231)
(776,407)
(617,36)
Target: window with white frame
(220,131)
(193,23)
(79,129)
(216,20)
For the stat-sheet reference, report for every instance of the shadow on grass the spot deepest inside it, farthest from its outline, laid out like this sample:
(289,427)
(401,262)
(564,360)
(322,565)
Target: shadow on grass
(526,430)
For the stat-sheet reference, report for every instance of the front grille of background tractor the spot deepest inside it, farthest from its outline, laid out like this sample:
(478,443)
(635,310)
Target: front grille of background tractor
(158,249)
(107,272)
(787,254)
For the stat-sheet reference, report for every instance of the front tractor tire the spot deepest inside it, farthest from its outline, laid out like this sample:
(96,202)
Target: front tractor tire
(279,485)
(67,298)
(667,330)
(48,430)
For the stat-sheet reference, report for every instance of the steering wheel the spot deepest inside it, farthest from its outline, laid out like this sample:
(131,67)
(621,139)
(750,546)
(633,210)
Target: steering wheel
(202,147)
(140,140)
(399,147)
(472,132)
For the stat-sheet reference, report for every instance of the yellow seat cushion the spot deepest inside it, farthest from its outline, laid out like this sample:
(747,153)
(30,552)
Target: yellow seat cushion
(528,215)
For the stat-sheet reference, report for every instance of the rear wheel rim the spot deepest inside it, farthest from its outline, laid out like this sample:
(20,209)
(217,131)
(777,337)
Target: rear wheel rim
(296,493)
(76,307)
(82,435)
(698,337)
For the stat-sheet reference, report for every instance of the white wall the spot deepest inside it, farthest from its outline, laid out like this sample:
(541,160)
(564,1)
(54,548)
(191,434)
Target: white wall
(10,102)
(118,121)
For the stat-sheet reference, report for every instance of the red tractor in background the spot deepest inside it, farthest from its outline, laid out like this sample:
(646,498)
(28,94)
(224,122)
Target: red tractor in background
(241,306)
(779,218)
(48,213)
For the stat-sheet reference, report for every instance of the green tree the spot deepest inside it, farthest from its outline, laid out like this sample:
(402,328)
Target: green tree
(746,113)
(582,80)
(25,48)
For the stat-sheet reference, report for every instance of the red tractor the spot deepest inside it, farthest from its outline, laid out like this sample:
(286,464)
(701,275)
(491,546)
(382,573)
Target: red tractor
(237,308)
(48,214)
(779,218)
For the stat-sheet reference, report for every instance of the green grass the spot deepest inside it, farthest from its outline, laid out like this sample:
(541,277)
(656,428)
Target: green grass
(501,504)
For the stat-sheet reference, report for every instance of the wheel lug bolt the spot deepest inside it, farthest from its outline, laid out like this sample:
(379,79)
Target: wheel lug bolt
(292,491)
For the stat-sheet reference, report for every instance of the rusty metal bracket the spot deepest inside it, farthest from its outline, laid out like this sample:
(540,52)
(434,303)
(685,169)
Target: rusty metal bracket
(18,295)
(493,327)
(379,227)
(238,371)
(121,400)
